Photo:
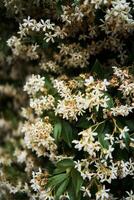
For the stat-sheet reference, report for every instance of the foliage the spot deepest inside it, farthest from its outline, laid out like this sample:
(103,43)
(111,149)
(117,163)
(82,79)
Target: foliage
(74,138)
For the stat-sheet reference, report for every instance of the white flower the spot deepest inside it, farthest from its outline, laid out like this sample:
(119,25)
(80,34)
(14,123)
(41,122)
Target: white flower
(49,37)
(95,93)
(118,18)
(123,168)
(28,22)
(62,88)
(38,183)
(120,142)
(46,195)
(34,181)
(78,165)
(83,167)
(86,191)
(65,196)
(38,138)
(71,106)
(105,83)
(119,73)
(32,24)
(105,172)
(123,110)
(87,142)
(123,132)
(102,194)
(130,195)
(78,14)
(127,88)
(98,3)
(89,81)
(21,156)
(108,152)
(109,137)
(47,25)
(131,167)
(34,84)
(49,66)
(42,103)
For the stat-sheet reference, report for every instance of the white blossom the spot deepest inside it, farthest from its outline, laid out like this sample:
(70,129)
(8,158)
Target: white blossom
(102,194)
(34,84)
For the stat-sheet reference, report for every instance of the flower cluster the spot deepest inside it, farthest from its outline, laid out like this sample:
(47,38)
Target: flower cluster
(78,20)
(20,49)
(38,138)
(87,118)
(118,17)
(34,84)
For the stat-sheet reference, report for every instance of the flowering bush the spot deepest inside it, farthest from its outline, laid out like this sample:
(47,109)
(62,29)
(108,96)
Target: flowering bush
(84,126)
(75,140)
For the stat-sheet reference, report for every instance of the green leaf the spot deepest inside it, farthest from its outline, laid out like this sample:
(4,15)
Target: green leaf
(71,192)
(77,181)
(57,179)
(102,130)
(61,189)
(102,141)
(130,124)
(83,123)
(97,69)
(59,7)
(57,131)
(66,163)
(119,154)
(127,140)
(49,85)
(101,127)
(110,102)
(67,133)
(59,170)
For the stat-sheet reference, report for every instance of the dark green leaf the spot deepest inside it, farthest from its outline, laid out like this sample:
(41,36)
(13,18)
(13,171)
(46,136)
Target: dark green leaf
(127,140)
(102,130)
(57,179)
(97,69)
(59,170)
(71,192)
(67,133)
(119,154)
(104,143)
(61,189)
(83,123)
(130,124)
(66,163)
(77,181)
(110,102)
(57,131)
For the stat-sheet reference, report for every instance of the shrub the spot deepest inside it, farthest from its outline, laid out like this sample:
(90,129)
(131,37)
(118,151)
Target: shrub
(76,141)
